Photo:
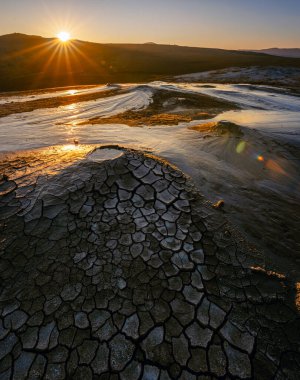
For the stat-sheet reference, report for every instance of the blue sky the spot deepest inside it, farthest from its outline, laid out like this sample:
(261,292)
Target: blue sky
(232,24)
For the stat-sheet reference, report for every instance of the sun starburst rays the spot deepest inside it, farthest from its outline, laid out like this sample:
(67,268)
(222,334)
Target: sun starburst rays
(63,36)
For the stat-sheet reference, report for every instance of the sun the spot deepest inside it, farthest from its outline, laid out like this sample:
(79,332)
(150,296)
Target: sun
(63,36)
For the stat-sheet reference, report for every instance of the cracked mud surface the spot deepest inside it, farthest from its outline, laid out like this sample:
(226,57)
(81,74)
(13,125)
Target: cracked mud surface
(121,270)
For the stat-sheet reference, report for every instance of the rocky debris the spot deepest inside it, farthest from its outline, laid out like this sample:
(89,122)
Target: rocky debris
(218,205)
(120,266)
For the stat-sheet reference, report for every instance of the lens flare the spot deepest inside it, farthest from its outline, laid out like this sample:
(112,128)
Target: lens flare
(275,167)
(241,147)
(260,158)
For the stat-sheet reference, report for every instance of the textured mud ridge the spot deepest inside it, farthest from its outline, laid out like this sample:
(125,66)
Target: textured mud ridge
(169,107)
(120,269)
(53,102)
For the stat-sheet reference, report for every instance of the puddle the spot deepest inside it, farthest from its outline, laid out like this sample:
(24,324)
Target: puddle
(100,155)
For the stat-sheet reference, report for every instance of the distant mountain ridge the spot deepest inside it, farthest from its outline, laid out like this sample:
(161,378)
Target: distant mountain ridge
(284,52)
(29,62)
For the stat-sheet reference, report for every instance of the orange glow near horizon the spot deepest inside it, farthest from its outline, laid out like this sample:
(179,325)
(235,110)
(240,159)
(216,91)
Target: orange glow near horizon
(60,56)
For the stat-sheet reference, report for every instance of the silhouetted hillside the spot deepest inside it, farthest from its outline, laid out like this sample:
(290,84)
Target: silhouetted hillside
(36,62)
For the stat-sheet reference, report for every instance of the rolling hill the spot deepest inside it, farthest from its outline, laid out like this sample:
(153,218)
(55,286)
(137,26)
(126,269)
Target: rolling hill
(30,62)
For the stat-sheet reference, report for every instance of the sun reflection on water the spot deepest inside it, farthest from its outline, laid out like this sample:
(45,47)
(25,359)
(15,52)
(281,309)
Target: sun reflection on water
(71,107)
(70,147)
(72,92)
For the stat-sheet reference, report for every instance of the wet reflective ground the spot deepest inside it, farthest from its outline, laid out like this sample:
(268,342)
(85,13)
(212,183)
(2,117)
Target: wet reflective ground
(113,261)
(258,171)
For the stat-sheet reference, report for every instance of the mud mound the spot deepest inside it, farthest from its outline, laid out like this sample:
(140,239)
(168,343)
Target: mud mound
(121,267)
(219,128)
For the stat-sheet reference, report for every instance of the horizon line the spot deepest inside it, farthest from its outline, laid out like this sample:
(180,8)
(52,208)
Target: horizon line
(154,43)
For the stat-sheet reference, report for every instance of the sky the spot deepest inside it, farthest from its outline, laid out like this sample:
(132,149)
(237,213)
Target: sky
(227,24)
